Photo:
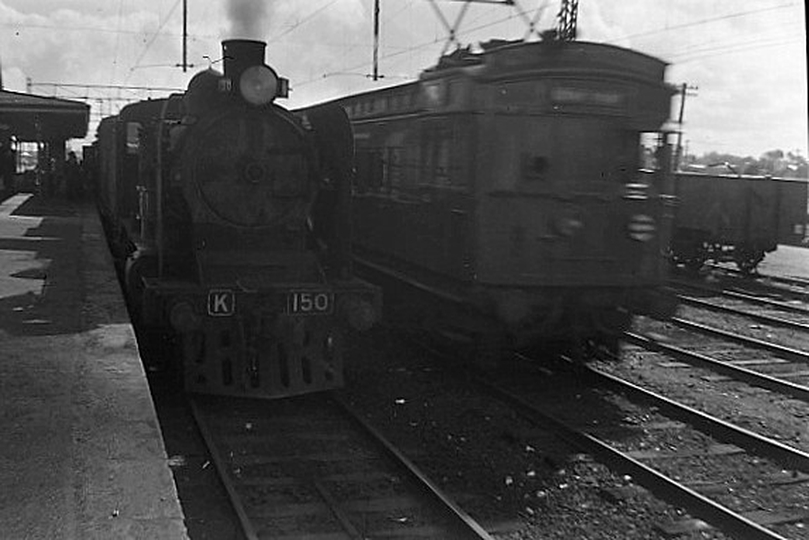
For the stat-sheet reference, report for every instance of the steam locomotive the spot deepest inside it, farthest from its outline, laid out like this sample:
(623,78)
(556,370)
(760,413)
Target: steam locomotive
(229,219)
(500,193)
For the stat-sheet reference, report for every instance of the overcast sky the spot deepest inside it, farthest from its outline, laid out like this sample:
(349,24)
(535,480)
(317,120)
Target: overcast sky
(747,58)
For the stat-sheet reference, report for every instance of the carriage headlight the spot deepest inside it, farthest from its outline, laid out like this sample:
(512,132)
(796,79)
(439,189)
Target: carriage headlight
(641,227)
(258,85)
(568,225)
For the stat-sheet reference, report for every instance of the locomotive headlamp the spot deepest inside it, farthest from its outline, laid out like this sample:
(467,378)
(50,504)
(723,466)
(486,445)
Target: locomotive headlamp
(360,313)
(641,227)
(183,317)
(258,85)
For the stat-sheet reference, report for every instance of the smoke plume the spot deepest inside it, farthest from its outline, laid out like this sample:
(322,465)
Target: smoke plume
(248,18)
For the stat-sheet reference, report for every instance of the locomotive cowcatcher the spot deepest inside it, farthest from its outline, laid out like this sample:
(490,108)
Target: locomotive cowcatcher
(230,219)
(503,187)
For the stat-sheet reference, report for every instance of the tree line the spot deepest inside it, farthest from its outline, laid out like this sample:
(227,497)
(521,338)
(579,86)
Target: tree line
(775,163)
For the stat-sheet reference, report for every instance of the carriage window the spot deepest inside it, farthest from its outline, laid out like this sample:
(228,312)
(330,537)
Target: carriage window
(370,170)
(611,151)
(132,137)
(442,159)
(394,166)
(436,160)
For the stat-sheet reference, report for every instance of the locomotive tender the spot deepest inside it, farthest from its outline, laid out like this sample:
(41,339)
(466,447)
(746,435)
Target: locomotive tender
(502,186)
(230,219)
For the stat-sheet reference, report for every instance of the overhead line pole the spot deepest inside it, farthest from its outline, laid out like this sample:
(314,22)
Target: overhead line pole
(375,75)
(185,36)
(684,88)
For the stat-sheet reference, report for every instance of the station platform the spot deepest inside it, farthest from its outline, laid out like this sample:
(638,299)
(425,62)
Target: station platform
(81,453)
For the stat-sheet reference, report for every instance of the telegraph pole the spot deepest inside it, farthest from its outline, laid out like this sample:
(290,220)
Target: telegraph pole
(185,36)
(684,88)
(375,75)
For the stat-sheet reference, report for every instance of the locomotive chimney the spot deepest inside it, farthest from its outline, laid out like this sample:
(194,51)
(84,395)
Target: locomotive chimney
(239,54)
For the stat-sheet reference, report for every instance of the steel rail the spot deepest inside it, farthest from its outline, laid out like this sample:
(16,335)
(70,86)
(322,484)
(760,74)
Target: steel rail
(467,527)
(787,456)
(339,514)
(466,523)
(755,316)
(662,486)
(744,296)
(737,372)
(789,280)
(221,467)
(793,280)
(796,355)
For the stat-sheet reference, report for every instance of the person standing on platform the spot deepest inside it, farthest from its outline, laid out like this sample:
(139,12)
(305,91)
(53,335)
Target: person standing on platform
(72,176)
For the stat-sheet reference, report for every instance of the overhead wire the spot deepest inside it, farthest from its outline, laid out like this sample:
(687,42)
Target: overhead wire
(729,48)
(303,21)
(96,29)
(414,48)
(152,40)
(702,21)
(117,41)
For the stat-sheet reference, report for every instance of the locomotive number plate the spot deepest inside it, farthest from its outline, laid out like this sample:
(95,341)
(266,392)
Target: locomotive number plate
(310,303)
(221,303)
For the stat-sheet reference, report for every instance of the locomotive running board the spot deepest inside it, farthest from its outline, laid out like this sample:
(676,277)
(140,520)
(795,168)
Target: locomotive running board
(296,355)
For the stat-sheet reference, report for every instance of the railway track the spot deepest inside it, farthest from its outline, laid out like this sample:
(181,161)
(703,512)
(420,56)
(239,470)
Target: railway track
(752,361)
(769,355)
(311,468)
(771,312)
(677,453)
(796,301)
(764,278)
(666,440)
(774,333)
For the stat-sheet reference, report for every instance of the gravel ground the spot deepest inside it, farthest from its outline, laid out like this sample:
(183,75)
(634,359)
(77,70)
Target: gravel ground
(768,413)
(518,480)
(761,411)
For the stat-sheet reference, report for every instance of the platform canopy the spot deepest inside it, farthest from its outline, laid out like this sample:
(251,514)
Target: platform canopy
(39,118)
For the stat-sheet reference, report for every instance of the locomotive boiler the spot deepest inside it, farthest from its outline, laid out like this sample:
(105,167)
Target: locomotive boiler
(503,188)
(230,220)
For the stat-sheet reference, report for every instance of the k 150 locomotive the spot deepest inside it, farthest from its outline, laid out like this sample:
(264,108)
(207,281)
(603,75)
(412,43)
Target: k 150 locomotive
(230,218)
